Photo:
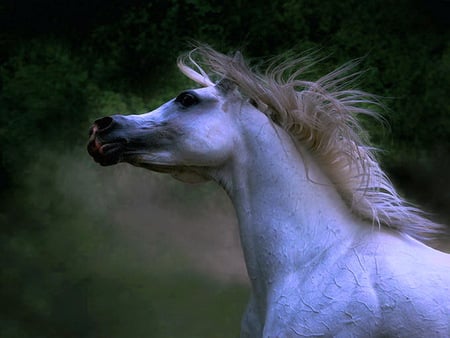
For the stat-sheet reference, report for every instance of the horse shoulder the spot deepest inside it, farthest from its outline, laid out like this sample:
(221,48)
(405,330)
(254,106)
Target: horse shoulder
(403,262)
(333,297)
(412,284)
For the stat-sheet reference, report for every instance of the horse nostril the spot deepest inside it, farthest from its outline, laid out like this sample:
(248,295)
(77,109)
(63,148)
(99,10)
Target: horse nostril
(104,123)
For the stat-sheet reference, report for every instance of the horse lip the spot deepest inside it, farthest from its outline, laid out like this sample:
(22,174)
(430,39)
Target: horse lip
(93,130)
(108,148)
(105,153)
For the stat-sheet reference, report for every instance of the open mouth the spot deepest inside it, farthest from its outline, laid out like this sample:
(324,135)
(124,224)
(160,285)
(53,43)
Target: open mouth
(104,153)
(110,143)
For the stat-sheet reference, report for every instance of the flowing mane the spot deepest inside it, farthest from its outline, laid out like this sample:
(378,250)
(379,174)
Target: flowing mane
(322,115)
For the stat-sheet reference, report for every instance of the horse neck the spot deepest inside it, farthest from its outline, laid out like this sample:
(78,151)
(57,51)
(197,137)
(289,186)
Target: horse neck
(289,212)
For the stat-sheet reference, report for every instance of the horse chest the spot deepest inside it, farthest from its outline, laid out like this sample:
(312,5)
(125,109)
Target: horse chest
(355,295)
(321,301)
(312,314)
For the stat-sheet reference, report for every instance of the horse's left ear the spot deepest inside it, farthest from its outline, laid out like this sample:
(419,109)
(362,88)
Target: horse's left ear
(226,86)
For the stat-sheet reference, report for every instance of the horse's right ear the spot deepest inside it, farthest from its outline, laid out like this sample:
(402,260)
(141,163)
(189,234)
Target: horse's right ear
(226,86)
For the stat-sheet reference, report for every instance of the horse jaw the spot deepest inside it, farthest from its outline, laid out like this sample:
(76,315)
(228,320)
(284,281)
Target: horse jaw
(189,177)
(185,174)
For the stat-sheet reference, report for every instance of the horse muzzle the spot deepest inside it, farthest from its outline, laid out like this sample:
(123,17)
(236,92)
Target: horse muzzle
(104,146)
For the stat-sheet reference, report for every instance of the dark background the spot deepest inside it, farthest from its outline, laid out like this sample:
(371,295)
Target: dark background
(70,265)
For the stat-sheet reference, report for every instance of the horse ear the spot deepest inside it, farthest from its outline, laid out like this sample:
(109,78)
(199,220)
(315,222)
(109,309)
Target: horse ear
(226,86)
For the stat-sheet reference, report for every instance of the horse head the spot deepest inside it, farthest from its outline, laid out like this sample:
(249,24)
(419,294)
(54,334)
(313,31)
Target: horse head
(185,137)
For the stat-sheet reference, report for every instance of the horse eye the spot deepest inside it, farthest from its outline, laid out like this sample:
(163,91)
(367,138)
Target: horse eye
(187,99)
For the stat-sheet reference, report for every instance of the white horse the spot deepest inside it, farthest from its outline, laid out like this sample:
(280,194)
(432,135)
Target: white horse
(330,247)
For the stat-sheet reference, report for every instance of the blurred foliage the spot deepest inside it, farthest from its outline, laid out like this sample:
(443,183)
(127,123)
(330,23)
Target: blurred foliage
(64,272)
(43,101)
